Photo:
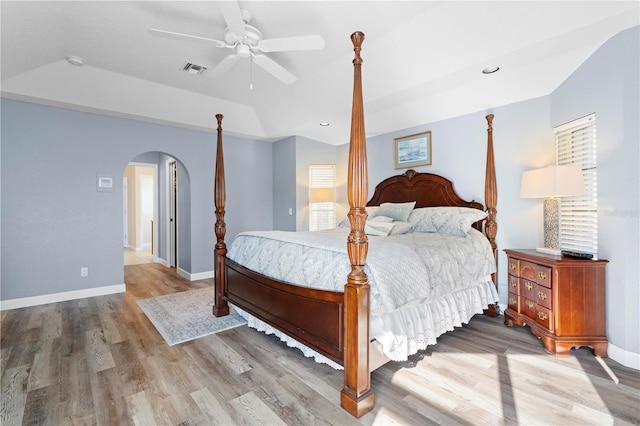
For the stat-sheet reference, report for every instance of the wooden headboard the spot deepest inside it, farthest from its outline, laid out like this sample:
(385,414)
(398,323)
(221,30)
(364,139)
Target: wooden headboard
(426,189)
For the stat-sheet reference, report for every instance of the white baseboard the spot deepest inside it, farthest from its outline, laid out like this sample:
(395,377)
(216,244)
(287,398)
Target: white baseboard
(197,276)
(60,297)
(624,357)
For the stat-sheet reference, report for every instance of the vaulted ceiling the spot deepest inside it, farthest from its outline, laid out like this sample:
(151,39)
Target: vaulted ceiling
(422,60)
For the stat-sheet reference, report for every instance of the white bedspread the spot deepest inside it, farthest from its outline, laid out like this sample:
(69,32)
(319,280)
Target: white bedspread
(422,284)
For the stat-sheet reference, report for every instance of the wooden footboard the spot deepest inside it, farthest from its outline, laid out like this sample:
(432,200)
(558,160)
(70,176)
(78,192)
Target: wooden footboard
(313,317)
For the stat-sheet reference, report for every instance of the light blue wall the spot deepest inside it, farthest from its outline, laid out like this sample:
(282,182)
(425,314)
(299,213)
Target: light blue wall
(284,184)
(54,221)
(249,178)
(608,84)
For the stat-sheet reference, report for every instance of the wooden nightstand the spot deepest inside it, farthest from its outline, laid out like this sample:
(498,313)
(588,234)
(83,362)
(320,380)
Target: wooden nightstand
(561,299)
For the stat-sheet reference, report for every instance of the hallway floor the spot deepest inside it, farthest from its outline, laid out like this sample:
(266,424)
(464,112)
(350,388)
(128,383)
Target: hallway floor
(137,257)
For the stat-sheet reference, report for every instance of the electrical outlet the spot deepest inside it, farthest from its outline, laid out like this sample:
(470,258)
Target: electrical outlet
(84,272)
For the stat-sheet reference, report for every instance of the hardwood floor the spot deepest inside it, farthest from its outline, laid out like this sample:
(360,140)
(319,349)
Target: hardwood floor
(100,361)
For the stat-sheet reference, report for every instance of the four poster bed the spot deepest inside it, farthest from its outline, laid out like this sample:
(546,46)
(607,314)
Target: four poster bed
(334,323)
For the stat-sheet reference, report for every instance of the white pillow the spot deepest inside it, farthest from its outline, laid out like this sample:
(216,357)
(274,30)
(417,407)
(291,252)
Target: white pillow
(396,211)
(383,219)
(401,228)
(381,229)
(445,220)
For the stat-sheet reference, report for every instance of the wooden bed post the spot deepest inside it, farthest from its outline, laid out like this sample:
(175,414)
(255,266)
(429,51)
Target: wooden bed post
(220,307)
(491,200)
(356,396)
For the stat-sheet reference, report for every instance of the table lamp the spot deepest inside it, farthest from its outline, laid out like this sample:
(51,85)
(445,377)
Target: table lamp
(322,195)
(551,183)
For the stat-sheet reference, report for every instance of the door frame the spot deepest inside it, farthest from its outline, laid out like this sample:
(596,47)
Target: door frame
(172,212)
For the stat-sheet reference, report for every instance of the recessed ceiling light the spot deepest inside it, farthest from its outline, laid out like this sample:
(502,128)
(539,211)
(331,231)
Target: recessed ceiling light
(490,70)
(324,124)
(75,60)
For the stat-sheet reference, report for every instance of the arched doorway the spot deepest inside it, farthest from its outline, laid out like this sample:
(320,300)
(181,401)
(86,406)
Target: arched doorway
(156,194)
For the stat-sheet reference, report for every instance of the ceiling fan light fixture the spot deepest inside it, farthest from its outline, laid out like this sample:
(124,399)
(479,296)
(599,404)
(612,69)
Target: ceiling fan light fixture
(243,51)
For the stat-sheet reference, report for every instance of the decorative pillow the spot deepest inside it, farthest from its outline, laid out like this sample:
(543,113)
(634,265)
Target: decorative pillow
(401,228)
(445,220)
(382,219)
(378,228)
(396,211)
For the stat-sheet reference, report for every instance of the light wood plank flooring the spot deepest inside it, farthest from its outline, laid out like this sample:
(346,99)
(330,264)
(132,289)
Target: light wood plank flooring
(100,361)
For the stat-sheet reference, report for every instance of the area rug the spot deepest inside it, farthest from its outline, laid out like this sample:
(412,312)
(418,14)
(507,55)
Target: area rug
(185,316)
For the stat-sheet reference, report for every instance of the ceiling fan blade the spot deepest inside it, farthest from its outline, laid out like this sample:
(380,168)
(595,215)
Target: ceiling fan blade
(310,42)
(179,36)
(226,64)
(233,17)
(274,68)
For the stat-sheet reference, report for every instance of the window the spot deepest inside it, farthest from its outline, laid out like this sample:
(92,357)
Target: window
(322,197)
(576,144)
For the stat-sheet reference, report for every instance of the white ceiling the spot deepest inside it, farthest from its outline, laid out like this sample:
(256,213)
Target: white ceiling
(422,60)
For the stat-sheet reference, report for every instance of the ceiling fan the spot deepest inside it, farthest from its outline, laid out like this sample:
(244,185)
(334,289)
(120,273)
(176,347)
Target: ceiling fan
(246,42)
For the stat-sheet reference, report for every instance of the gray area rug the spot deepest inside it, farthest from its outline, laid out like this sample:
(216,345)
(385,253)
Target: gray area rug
(185,316)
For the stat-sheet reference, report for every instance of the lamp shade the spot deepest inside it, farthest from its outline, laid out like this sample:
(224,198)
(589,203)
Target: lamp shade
(322,195)
(552,181)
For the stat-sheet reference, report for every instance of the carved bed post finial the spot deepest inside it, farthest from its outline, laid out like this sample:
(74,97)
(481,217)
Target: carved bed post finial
(491,201)
(356,396)
(220,307)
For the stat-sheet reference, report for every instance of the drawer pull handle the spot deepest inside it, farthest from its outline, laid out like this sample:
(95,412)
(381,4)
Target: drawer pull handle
(528,285)
(512,301)
(529,304)
(542,316)
(514,283)
(541,295)
(542,275)
(512,266)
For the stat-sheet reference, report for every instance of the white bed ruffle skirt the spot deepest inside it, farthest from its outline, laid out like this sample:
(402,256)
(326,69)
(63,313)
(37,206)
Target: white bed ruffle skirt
(407,330)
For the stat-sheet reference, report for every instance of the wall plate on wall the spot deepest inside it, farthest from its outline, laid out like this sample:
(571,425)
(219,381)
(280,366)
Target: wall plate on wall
(104,182)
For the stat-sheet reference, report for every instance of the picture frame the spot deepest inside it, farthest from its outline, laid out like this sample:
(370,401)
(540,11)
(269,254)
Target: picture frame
(412,151)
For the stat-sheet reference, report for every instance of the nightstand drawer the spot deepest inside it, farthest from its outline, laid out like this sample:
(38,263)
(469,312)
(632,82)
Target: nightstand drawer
(543,317)
(528,288)
(527,307)
(543,296)
(513,301)
(534,272)
(513,284)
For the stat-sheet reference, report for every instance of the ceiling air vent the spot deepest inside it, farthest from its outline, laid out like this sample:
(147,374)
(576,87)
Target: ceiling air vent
(194,68)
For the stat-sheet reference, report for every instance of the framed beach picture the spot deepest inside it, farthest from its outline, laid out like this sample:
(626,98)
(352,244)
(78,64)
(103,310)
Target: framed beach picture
(412,151)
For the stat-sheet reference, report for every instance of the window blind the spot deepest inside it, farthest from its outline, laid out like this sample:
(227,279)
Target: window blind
(322,215)
(576,144)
